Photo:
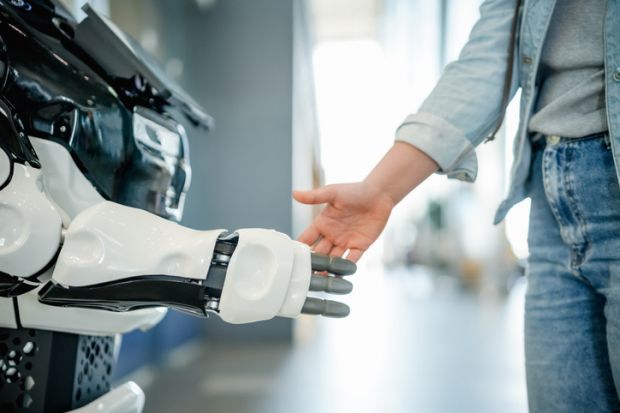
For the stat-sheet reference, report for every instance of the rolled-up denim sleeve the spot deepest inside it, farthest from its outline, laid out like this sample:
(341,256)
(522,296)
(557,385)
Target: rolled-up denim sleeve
(465,104)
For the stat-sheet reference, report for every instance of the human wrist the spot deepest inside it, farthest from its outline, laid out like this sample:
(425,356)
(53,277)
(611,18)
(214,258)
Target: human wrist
(402,169)
(374,189)
(374,186)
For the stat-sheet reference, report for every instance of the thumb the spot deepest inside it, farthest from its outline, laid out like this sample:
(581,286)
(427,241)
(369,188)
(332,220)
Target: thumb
(316,196)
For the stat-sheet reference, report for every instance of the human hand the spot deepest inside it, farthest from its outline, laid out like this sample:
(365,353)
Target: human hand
(352,220)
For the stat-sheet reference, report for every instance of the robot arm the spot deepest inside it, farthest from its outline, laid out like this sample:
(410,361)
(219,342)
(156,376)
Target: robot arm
(120,258)
(108,138)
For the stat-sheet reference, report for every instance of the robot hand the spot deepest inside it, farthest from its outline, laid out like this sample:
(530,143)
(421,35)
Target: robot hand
(120,259)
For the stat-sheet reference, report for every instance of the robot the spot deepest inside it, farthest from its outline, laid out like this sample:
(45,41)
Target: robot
(94,168)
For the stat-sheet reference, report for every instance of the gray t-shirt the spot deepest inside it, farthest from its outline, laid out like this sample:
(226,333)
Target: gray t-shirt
(571,101)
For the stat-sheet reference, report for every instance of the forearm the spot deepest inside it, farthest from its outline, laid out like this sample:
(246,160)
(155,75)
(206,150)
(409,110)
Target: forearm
(465,105)
(402,169)
(251,275)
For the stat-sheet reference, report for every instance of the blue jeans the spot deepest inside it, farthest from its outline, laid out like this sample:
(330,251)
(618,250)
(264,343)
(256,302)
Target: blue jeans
(572,310)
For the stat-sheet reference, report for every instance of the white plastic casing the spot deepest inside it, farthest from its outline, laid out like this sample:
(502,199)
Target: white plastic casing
(31,207)
(7,313)
(5,167)
(64,182)
(30,226)
(299,282)
(109,242)
(268,275)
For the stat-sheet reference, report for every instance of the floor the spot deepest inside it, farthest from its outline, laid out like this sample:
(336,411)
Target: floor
(413,343)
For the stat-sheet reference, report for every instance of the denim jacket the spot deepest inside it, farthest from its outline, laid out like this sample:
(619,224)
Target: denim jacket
(465,104)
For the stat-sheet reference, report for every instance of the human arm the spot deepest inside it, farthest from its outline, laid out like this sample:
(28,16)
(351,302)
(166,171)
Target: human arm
(467,101)
(463,108)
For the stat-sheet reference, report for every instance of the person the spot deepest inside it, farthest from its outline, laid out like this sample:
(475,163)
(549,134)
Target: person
(564,56)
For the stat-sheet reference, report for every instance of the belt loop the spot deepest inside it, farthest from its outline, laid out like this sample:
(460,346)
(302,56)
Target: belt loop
(553,139)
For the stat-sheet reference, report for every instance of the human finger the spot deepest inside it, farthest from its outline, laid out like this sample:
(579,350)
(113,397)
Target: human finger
(323,246)
(309,236)
(337,251)
(355,254)
(315,196)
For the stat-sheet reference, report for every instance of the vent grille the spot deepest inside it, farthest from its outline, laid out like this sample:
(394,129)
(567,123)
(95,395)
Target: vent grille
(95,359)
(18,381)
(44,371)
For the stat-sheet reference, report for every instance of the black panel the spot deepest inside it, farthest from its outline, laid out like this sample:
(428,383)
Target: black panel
(49,372)
(14,142)
(131,294)
(53,89)
(12,286)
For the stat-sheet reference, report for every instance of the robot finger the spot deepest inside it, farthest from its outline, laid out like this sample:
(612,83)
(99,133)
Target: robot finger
(333,265)
(328,308)
(334,285)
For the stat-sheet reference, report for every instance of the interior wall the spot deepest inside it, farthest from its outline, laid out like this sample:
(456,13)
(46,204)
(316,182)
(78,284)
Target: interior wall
(239,66)
(239,60)
(306,159)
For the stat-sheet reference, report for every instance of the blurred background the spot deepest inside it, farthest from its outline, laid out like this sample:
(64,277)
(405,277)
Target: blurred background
(309,92)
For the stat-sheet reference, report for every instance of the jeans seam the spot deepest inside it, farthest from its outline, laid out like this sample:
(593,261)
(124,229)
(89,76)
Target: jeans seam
(579,251)
(547,187)
(575,270)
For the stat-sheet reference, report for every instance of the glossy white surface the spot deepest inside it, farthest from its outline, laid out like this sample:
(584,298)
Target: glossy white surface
(109,242)
(258,276)
(299,283)
(7,314)
(128,398)
(33,314)
(64,182)
(30,226)
(5,167)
